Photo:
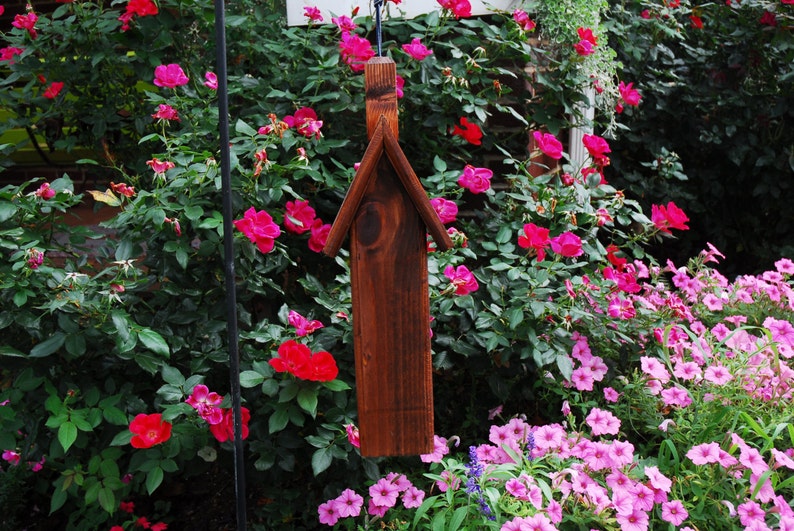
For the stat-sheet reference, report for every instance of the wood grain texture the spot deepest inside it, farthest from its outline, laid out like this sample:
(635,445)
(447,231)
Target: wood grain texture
(391,320)
(380,84)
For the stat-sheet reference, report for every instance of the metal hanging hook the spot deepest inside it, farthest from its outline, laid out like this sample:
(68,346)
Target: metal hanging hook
(378,31)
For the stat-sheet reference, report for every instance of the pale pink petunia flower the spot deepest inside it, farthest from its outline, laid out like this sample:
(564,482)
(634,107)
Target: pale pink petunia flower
(399,480)
(618,481)
(751,458)
(376,510)
(750,511)
(705,453)
(622,501)
(448,481)
(726,460)
(643,496)
(516,488)
(654,368)
(384,493)
(718,374)
(440,449)
(676,396)
(712,302)
(610,395)
(597,456)
(597,367)
(602,422)
(674,512)
(657,479)
(636,520)
(765,493)
(665,424)
(554,512)
(413,497)
(621,453)
(538,522)
(688,370)
(582,378)
(328,513)
(781,459)
(549,436)
(785,266)
(348,503)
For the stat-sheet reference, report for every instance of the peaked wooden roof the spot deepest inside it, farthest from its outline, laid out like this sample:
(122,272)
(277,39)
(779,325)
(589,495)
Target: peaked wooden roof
(384,141)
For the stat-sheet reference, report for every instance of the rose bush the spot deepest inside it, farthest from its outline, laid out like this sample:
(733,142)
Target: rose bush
(115,373)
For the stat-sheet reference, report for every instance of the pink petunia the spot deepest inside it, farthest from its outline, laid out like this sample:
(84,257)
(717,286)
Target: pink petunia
(718,375)
(676,396)
(703,454)
(750,512)
(657,479)
(751,458)
(384,493)
(549,437)
(602,422)
(781,459)
(328,512)
(636,520)
(412,497)
(654,368)
(582,378)
(674,512)
(349,503)
(517,489)
(440,449)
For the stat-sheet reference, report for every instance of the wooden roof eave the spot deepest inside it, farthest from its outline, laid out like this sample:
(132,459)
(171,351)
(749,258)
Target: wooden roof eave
(383,139)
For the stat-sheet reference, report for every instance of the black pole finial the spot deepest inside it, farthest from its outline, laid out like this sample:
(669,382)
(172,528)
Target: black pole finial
(378,31)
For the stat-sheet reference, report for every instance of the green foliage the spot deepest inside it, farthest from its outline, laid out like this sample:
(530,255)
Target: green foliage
(129,318)
(717,99)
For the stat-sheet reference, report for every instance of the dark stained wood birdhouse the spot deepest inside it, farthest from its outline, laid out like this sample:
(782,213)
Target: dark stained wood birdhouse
(388,215)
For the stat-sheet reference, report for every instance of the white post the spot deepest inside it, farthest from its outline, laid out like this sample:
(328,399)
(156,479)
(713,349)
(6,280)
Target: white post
(579,155)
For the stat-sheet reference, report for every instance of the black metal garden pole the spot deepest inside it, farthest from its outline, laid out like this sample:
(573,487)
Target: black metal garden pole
(228,251)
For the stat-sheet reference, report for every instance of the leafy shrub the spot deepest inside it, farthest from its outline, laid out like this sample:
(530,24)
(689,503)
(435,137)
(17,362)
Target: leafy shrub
(711,131)
(115,337)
